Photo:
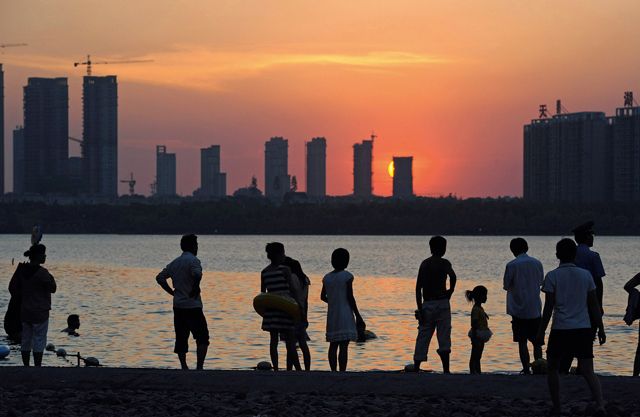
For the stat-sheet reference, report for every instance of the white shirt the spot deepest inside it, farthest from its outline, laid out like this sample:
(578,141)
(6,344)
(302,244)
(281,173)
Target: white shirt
(570,285)
(183,271)
(523,278)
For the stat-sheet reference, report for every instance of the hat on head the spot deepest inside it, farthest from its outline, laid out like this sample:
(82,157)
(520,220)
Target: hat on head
(585,228)
(38,249)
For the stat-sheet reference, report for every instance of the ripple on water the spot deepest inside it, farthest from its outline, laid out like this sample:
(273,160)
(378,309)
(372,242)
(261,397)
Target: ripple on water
(127,318)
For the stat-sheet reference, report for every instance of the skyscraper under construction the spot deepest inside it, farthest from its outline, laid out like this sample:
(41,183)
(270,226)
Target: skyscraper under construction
(100,135)
(583,157)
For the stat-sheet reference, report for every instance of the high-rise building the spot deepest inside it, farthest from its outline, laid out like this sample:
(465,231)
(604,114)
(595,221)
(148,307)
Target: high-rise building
(18,160)
(583,157)
(100,135)
(277,181)
(76,179)
(1,130)
(625,152)
(362,168)
(566,158)
(403,176)
(213,183)
(46,133)
(317,167)
(165,172)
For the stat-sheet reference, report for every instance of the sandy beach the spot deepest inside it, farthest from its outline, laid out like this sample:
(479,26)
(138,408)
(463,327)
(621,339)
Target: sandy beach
(154,392)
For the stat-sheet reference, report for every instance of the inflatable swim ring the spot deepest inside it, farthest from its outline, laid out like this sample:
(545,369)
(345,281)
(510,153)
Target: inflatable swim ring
(265,301)
(4,351)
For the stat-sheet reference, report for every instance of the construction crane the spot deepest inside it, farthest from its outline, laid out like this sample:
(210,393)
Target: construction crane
(89,63)
(77,141)
(11,45)
(132,184)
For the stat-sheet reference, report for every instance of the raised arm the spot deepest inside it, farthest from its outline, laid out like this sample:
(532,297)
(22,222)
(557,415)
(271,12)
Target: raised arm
(632,283)
(162,278)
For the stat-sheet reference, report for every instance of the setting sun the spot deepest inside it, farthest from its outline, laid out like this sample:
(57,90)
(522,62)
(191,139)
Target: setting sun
(391,169)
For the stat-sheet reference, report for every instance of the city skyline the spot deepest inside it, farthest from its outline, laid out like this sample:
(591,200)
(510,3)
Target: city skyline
(451,84)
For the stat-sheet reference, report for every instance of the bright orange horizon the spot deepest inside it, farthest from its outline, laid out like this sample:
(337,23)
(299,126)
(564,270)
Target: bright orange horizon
(450,83)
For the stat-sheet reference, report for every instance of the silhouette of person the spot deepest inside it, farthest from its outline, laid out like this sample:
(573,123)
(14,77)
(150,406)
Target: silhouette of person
(479,332)
(300,282)
(523,278)
(570,295)
(589,259)
(185,272)
(12,322)
(432,300)
(276,279)
(34,285)
(337,292)
(630,287)
(73,324)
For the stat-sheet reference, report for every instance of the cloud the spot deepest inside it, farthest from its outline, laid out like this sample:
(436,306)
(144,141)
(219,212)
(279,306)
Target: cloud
(204,69)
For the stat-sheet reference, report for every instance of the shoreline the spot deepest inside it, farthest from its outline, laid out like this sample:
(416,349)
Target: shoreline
(151,392)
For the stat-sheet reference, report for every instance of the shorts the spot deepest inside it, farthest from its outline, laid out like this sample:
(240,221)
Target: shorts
(189,320)
(525,329)
(34,336)
(574,343)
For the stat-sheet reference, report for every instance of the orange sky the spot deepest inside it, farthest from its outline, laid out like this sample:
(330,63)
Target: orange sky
(449,82)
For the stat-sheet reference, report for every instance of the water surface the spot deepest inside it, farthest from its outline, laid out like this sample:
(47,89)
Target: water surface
(127,320)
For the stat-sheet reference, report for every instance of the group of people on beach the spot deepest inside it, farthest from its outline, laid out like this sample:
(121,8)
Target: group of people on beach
(573,299)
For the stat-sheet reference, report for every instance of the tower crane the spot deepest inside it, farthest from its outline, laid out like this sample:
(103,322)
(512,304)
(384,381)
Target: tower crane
(11,45)
(89,63)
(77,141)
(132,184)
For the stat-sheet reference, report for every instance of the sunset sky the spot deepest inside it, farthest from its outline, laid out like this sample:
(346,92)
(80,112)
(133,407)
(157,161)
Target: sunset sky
(450,83)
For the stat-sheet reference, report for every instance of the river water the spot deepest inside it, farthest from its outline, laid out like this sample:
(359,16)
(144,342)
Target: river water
(127,319)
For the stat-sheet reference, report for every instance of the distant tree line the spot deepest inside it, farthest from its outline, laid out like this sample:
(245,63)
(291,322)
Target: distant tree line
(380,216)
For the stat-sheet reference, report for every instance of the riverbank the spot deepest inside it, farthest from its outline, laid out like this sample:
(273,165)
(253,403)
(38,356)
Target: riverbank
(421,216)
(163,392)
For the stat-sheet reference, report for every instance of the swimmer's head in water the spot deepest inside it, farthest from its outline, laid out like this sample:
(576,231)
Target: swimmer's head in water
(73,322)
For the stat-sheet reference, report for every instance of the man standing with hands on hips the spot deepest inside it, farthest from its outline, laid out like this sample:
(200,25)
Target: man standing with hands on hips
(186,273)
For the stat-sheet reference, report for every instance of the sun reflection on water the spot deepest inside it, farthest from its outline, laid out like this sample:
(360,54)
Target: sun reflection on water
(127,320)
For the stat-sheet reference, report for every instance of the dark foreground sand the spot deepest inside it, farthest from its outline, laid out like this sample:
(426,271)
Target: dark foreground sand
(154,392)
